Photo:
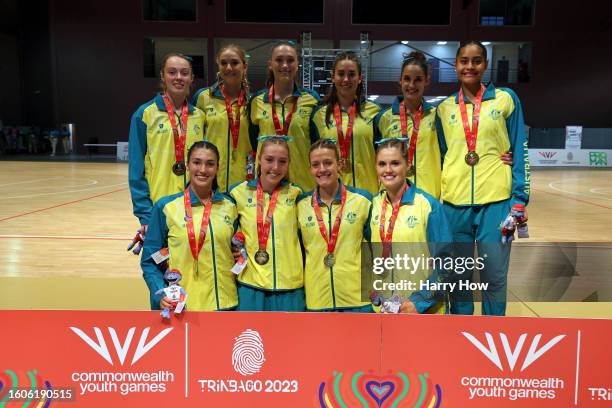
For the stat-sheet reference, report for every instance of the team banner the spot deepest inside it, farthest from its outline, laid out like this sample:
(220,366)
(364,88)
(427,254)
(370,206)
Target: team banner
(101,359)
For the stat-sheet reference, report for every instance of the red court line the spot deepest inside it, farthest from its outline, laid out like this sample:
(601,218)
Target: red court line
(60,205)
(569,198)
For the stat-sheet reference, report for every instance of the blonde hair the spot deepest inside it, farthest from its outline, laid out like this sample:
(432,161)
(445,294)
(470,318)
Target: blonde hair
(279,141)
(244,84)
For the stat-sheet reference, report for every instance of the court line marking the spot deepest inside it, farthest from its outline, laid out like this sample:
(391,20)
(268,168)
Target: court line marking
(569,198)
(551,185)
(8,236)
(64,192)
(90,182)
(29,181)
(61,205)
(599,191)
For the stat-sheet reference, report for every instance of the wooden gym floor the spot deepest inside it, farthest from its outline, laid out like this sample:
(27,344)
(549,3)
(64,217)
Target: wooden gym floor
(64,229)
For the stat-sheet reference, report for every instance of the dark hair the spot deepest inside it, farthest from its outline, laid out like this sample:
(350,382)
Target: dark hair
(270,76)
(165,60)
(402,145)
(206,145)
(415,58)
(281,141)
(244,84)
(472,42)
(332,94)
(329,144)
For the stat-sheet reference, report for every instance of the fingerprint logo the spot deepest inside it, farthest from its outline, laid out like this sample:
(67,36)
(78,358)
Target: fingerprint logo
(248,354)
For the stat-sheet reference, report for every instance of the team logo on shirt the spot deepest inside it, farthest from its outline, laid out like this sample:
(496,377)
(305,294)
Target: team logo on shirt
(161,125)
(452,121)
(303,112)
(289,201)
(250,203)
(351,217)
(197,128)
(494,114)
(264,114)
(227,219)
(310,223)
(210,111)
(412,221)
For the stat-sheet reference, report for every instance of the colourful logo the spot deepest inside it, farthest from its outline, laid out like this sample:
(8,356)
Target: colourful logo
(598,159)
(9,380)
(368,390)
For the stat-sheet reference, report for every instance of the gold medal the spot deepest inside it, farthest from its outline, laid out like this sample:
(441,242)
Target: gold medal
(472,158)
(262,257)
(179,168)
(329,260)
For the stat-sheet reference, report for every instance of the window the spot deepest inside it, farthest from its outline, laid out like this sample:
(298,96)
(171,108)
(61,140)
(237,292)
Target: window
(506,12)
(432,12)
(156,48)
(169,10)
(274,11)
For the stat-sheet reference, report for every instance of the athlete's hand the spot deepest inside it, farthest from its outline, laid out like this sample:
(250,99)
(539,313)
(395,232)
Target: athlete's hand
(236,253)
(506,158)
(165,303)
(408,307)
(143,229)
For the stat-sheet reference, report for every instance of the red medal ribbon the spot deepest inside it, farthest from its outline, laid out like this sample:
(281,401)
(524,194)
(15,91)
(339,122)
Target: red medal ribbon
(263,228)
(196,247)
(416,122)
(471,135)
(388,237)
(280,131)
(345,142)
(234,125)
(179,141)
(331,242)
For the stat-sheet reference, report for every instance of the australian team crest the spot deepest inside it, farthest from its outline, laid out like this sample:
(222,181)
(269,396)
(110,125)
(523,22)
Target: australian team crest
(351,217)
(494,114)
(412,221)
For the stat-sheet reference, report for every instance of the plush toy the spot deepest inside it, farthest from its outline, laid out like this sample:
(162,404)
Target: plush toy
(174,292)
(391,305)
(514,219)
(137,243)
(250,166)
(238,241)
(518,211)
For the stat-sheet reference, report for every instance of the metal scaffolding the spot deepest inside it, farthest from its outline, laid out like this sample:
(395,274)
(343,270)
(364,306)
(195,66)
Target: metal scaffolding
(317,62)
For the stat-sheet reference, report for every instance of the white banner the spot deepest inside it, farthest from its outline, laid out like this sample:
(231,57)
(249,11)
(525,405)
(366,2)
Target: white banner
(569,158)
(122,151)
(573,137)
